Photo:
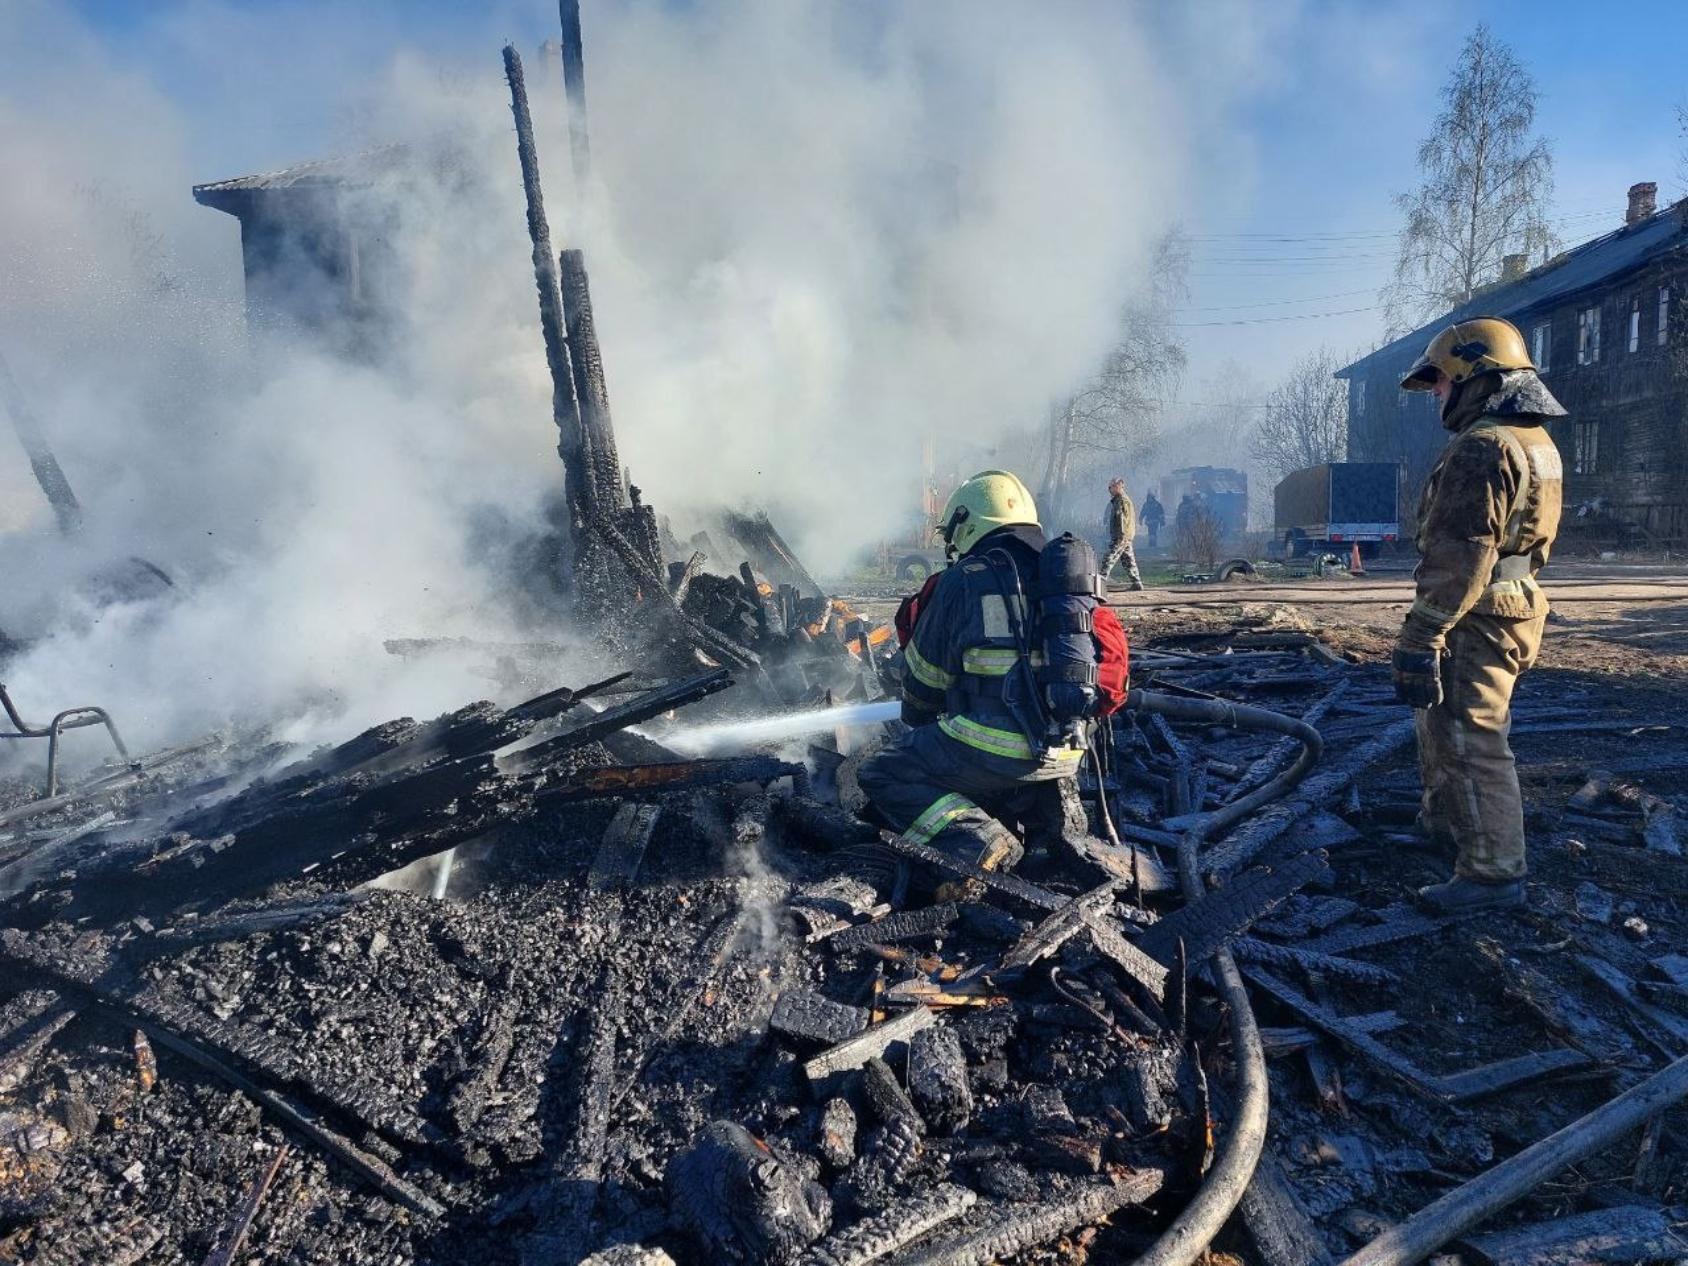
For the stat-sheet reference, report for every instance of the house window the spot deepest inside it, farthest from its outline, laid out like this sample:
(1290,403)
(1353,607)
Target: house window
(1359,397)
(1541,345)
(1586,459)
(1635,324)
(1588,336)
(1664,315)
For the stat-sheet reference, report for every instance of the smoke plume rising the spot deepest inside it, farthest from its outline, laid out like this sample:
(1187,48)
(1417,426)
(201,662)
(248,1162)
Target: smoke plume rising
(816,234)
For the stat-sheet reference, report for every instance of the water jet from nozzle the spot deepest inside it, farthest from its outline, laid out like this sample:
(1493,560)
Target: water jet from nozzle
(732,735)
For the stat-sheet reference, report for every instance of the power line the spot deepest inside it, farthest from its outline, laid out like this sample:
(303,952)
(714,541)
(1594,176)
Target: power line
(1277,303)
(1297,316)
(1265,239)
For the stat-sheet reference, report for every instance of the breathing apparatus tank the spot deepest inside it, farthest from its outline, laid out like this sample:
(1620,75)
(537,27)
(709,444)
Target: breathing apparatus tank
(1069,590)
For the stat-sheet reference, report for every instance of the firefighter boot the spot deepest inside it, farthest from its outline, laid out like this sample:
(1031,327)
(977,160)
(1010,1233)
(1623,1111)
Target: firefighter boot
(1463,894)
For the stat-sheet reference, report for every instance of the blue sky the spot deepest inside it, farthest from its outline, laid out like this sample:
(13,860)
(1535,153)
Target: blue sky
(1322,129)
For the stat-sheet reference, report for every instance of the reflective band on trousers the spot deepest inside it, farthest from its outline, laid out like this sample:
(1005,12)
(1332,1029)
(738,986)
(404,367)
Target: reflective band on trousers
(939,814)
(989,661)
(925,671)
(1009,743)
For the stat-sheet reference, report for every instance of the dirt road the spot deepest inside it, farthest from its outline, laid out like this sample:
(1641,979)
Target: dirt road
(1629,620)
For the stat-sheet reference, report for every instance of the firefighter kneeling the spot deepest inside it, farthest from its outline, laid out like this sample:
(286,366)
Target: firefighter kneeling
(1009,654)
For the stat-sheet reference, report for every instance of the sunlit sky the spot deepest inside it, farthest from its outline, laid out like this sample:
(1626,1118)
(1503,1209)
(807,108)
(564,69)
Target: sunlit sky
(1293,225)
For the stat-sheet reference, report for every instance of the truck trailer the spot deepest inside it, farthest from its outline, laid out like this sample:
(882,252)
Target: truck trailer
(1330,508)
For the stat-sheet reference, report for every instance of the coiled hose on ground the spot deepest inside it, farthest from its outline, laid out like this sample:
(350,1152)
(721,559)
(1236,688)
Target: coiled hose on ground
(1233,1167)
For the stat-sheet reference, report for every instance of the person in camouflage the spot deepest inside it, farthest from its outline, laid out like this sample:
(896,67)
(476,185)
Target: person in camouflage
(1122,526)
(1486,525)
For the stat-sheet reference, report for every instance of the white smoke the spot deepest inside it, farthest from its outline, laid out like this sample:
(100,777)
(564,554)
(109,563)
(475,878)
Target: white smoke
(816,235)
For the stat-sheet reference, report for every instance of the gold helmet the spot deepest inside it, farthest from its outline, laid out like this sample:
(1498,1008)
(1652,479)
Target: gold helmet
(1462,351)
(989,500)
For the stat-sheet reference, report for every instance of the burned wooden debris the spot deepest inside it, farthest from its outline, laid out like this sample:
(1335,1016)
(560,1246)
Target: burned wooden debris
(681,1007)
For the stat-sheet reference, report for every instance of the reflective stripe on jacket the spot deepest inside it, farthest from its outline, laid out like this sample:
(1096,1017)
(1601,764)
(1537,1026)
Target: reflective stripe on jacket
(961,668)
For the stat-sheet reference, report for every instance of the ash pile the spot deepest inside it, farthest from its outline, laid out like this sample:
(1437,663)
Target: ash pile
(696,1008)
(690,1005)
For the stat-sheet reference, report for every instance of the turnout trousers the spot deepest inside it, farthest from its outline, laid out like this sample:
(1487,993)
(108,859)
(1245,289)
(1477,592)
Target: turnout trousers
(1471,793)
(1121,552)
(937,790)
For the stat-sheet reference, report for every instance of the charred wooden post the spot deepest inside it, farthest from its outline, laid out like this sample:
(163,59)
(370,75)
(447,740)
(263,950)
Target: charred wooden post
(605,493)
(48,473)
(574,87)
(565,409)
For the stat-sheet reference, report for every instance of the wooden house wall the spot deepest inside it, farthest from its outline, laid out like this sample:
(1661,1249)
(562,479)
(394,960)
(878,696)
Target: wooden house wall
(1638,401)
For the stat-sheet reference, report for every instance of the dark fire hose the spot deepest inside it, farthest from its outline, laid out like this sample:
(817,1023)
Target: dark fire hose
(1233,1168)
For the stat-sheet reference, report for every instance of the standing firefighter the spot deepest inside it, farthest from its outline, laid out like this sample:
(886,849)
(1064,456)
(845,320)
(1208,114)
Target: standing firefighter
(1122,526)
(1154,516)
(986,727)
(1486,524)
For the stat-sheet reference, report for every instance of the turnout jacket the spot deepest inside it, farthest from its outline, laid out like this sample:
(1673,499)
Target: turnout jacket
(962,666)
(1490,509)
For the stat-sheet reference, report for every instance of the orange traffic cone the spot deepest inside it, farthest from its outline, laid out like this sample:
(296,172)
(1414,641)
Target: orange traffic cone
(1355,566)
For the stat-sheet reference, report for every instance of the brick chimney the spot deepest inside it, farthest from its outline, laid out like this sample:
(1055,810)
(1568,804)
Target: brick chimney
(1643,201)
(1512,267)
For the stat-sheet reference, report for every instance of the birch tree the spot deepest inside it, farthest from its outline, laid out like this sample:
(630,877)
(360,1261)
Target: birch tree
(1485,189)
(1305,421)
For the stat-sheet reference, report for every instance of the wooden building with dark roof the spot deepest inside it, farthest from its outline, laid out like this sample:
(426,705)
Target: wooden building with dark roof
(1604,323)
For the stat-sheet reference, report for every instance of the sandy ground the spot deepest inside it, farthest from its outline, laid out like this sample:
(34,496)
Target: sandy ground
(1622,620)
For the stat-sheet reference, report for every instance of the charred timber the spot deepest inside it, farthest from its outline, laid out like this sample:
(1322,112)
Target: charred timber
(48,473)
(1010,1228)
(574,87)
(652,703)
(565,408)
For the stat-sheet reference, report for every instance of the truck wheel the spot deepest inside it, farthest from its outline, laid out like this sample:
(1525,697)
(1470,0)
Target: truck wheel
(914,568)
(1235,567)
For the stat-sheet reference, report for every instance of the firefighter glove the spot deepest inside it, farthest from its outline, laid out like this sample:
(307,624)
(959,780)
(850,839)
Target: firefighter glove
(1418,677)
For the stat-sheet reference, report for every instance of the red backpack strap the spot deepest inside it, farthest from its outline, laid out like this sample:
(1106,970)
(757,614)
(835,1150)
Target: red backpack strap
(908,613)
(1113,670)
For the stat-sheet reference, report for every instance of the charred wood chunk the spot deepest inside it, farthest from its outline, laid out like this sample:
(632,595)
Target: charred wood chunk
(276,916)
(802,1013)
(901,1224)
(886,1096)
(1012,1228)
(623,846)
(21,1049)
(875,1041)
(1046,1111)
(903,926)
(743,1201)
(837,1131)
(823,826)
(1214,920)
(887,1160)
(1150,1080)
(472,1094)
(937,1079)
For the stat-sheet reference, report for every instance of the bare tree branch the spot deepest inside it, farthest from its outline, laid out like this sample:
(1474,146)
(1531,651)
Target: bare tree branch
(1486,187)
(1118,411)
(1305,422)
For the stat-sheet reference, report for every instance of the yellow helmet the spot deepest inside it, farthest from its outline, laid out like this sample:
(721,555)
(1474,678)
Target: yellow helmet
(1462,351)
(989,500)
